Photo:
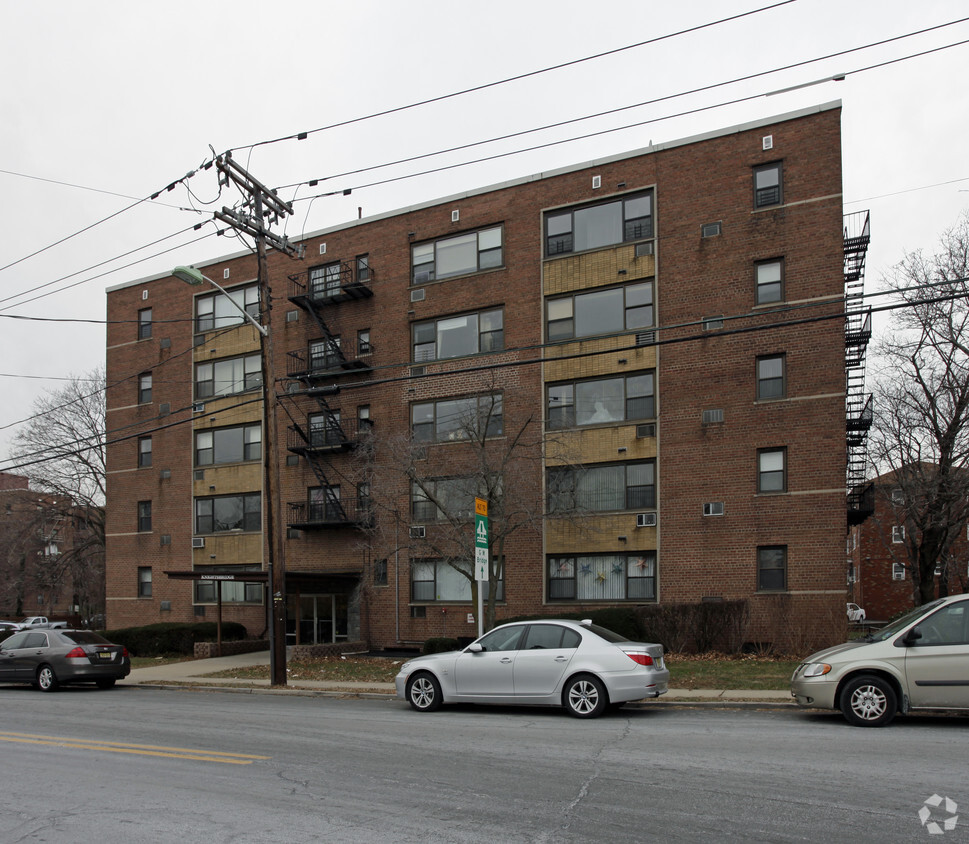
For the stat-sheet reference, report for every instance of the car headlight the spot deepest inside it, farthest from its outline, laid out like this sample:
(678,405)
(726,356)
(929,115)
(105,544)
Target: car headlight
(815,669)
(405,668)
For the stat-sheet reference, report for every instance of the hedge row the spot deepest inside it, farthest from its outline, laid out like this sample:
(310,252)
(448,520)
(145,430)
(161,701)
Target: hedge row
(168,639)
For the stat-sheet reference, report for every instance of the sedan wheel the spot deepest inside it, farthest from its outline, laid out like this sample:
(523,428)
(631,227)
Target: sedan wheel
(868,701)
(585,697)
(46,679)
(424,692)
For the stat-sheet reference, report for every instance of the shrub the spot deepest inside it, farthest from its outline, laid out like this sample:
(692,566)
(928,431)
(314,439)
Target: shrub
(439,645)
(700,628)
(168,639)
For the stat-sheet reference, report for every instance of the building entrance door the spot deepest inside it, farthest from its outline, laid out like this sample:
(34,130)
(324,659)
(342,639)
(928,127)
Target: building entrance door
(321,618)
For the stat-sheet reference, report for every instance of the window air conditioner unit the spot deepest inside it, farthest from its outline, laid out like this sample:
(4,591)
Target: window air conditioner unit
(645,338)
(645,520)
(644,249)
(417,531)
(419,294)
(422,277)
(713,508)
(647,429)
(198,541)
(898,574)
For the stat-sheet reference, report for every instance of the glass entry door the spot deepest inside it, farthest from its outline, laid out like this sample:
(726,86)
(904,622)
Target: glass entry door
(322,619)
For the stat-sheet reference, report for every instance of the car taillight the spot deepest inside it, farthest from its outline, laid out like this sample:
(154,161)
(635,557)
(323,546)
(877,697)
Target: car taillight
(77,653)
(642,659)
(124,652)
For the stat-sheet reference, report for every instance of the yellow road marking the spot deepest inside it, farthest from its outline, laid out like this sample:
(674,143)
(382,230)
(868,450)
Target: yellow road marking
(138,749)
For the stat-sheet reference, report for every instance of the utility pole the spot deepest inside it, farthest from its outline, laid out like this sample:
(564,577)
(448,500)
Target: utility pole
(263,208)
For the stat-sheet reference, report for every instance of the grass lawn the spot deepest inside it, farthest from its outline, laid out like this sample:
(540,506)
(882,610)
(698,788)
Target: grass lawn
(686,671)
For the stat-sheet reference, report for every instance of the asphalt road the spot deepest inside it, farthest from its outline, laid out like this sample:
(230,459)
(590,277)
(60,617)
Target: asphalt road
(136,764)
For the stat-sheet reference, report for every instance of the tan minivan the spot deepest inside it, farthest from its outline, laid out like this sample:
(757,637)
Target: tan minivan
(919,661)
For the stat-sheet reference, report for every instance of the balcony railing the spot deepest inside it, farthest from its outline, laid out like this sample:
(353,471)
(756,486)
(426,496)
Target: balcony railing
(337,436)
(329,360)
(346,512)
(331,287)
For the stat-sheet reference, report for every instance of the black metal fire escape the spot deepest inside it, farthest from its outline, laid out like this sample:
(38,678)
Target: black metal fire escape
(858,402)
(323,433)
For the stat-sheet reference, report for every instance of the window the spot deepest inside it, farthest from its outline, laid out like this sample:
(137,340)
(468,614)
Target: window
(603,577)
(216,310)
(363,342)
(946,626)
(605,311)
(326,354)
(770,377)
(553,636)
(898,497)
(453,337)
(600,401)
(144,581)
(627,486)
(596,226)
(898,534)
(228,445)
(363,418)
(772,470)
(144,388)
(898,571)
(363,268)
(771,568)
(324,504)
(325,429)
(442,580)
(233,591)
(505,639)
(380,573)
(767,185)
(769,278)
(442,498)
(144,323)
(457,419)
(225,377)
(224,513)
(144,516)
(325,279)
(460,255)
(144,452)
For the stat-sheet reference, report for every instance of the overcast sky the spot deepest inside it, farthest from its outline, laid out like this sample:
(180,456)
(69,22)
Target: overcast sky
(104,103)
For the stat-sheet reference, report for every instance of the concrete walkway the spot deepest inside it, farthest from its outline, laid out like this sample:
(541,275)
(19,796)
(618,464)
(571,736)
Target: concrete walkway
(193,673)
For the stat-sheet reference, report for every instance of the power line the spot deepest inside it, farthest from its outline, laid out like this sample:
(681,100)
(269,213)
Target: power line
(300,136)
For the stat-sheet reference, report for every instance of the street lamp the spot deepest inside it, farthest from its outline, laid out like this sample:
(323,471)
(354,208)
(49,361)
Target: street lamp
(276,573)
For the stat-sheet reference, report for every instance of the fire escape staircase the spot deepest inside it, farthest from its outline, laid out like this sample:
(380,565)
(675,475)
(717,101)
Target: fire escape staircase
(858,403)
(323,433)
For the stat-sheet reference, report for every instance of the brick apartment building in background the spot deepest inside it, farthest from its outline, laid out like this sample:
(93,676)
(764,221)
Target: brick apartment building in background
(671,322)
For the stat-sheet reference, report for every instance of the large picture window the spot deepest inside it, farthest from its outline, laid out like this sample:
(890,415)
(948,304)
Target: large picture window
(605,311)
(454,337)
(459,255)
(216,310)
(224,513)
(596,226)
(228,445)
(449,420)
(602,577)
(233,591)
(225,377)
(625,486)
(601,400)
(439,580)
(443,498)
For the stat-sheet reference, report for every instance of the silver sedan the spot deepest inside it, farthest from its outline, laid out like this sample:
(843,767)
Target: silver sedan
(49,659)
(578,665)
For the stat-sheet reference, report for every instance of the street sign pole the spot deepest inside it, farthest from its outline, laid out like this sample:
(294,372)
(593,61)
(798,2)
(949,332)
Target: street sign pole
(481,567)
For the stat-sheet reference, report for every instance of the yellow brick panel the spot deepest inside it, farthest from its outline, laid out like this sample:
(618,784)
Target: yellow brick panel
(230,548)
(598,445)
(229,480)
(578,362)
(598,534)
(596,269)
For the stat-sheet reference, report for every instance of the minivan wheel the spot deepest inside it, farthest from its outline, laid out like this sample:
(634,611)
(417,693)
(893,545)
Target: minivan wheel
(868,701)
(46,679)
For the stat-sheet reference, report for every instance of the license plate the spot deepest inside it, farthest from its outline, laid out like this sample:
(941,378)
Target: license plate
(105,655)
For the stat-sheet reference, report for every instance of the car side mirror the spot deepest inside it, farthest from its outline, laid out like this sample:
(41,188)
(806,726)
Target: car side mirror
(474,648)
(912,636)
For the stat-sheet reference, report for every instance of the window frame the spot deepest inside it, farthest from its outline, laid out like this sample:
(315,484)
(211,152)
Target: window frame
(248,444)
(251,591)
(563,418)
(251,377)
(763,489)
(564,493)
(562,241)
(763,570)
(564,326)
(144,324)
(144,516)
(760,295)
(490,405)
(144,586)
(144,388)
(425,510)
(144,453)
(426,270)
(762,199)
(497,335)
(898,534)
(572,568)
(422,564)
(250,516)
(210,320)
(762,393)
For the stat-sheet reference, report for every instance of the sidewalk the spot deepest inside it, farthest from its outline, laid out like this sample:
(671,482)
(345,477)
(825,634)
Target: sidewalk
(192,673)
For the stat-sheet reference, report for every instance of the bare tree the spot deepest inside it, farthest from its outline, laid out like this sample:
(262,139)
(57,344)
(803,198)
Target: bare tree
(921,430)
(62,450)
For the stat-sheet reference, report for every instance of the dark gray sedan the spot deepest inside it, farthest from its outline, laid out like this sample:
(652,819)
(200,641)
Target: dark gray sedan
(48,659)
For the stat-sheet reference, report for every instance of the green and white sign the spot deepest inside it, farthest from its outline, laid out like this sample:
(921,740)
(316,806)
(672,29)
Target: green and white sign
(481,540)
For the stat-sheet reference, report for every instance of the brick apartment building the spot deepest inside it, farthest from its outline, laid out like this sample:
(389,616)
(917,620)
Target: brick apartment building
(641,361)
